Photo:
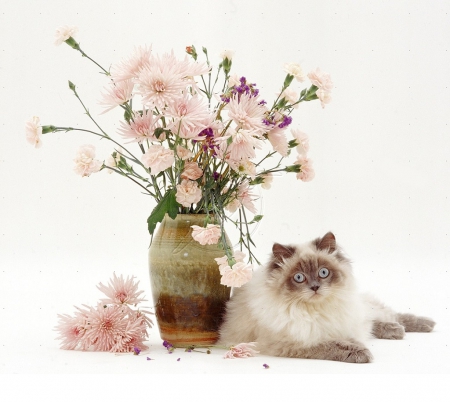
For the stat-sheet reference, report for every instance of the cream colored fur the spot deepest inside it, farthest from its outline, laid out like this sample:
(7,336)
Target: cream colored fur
(286,322)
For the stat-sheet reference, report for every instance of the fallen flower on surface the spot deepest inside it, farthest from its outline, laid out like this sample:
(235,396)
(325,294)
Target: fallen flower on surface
(241,350)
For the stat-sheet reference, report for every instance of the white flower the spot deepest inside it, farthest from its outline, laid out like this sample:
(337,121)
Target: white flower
(295,70)
(227,54)
(234,80)
(85,164)
(33,131)
(63,33)
(268,179)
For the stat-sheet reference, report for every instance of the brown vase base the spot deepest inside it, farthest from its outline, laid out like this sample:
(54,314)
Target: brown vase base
(187,337)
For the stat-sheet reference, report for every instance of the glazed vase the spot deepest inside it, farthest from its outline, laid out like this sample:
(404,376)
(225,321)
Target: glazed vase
(185,281)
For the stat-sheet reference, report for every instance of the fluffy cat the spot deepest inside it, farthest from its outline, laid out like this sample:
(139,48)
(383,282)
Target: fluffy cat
(304,304)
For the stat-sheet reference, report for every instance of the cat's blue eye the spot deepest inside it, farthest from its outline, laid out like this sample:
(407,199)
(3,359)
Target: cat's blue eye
(323,272)
(298,277)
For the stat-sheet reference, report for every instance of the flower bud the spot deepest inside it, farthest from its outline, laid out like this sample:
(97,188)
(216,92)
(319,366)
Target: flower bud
(48,129)
(293,169)
(287,80)
(192,51)
(73,43)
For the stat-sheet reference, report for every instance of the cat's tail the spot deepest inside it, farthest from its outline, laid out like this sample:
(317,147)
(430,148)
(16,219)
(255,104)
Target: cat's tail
(413,323)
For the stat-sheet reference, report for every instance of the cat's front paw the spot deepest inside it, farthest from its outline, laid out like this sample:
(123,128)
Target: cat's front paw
(354,352)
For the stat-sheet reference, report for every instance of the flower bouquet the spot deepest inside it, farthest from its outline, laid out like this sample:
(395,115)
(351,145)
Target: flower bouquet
(197,139)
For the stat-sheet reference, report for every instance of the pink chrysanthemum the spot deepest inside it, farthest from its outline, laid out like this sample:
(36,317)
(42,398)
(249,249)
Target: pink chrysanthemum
(106,324)
(160,82)
(132,337)
(242,350)
(71,330)
(190,116)
(121,291)
(248,114)
(129,68)
(140,128)
(116,94)
(242,146)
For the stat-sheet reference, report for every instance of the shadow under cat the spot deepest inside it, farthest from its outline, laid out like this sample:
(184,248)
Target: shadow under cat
(304,303)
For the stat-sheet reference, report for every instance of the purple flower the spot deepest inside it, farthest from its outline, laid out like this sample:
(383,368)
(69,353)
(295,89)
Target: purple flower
(266,366)
(148,358)
(168,346)
(136,350)
(178,359)
(286,121)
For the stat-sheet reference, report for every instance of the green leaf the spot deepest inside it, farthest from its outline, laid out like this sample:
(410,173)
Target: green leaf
(256,218)
(167,205)
(157,133)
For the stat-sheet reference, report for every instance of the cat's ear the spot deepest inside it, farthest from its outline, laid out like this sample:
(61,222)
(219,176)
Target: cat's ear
(327,243)
(281,252)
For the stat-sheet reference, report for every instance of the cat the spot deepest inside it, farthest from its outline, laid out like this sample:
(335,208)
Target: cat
(304,304)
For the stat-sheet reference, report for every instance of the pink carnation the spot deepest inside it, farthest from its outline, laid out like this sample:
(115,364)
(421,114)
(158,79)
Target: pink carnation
(209,235)
(237,276)
(306,170)
(184,153)
(85,164)
(33,131)
(157,158)
(323,82)
(302,141)
(241,350)
(63,33)
(188,193)
(191,171)
(278,140)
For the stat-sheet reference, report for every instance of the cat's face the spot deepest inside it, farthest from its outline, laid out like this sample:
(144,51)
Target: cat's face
(310,273)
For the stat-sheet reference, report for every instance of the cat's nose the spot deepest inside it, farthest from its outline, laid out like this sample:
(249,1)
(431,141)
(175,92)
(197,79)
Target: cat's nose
(314,288)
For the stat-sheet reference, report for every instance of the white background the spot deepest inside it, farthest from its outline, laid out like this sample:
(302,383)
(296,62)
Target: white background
(380,152)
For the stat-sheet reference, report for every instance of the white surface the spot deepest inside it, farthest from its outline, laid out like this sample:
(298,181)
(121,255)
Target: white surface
(380,151)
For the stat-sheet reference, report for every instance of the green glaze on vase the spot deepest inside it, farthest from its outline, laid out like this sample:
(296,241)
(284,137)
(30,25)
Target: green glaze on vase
(185,279)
